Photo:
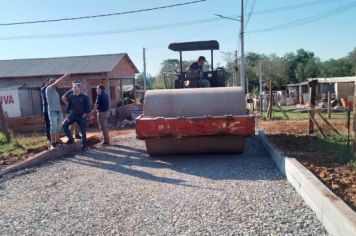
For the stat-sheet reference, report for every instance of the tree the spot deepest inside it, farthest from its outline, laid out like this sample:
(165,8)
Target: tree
(230,68)
(335,68)
(252,69)
(313,68)
(352,59)
(276,69)
(166,76)
(302,65)
(150,80)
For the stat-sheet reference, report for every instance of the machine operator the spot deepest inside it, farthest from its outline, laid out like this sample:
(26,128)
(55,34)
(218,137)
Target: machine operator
(195,71)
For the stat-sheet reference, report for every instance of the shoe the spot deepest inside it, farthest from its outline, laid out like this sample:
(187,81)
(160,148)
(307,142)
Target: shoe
(59,143)
(70,141)
(77,136)
(104,143)
(52,147)
(84,148)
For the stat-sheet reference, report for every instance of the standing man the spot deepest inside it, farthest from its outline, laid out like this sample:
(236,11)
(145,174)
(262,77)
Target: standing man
(45,109)
(101,107)
(55,109)
(74,127)
(77,110)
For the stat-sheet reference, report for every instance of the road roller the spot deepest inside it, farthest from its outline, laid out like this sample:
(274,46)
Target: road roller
(193,120)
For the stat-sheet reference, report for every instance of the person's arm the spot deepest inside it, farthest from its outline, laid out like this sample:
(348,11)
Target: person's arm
(87,106)
(65,98)
(69,107)
(96,104)
(60,79)
(189,68)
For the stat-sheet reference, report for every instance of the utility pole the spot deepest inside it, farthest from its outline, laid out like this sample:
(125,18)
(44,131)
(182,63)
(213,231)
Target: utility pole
(354,120)
(242,68)
(269,114)
(235,69)
(247,85)
(144,70)
(260,74)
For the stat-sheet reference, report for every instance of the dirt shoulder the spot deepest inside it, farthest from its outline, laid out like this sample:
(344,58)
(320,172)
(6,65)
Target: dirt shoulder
(326,159)
(26,145)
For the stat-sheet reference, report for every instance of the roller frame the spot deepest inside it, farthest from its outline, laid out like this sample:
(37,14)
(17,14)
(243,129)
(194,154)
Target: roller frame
(169,127)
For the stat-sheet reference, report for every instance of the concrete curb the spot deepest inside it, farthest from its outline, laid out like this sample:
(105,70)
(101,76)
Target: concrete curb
(43,157)
(337,217)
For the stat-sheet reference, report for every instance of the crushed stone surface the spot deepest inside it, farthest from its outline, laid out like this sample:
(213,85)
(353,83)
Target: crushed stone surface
(120,190)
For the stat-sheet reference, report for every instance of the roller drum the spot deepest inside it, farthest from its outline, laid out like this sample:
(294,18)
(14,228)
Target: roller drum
(195,102)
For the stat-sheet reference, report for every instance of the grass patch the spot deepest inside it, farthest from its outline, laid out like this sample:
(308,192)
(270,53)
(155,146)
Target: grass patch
(295,115)
(337,145)
(18,147)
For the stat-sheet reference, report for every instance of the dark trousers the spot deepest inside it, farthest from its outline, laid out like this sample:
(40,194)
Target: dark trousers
(81,121)
(47,125)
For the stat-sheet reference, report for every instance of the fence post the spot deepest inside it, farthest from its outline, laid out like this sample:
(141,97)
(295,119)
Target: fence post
(354,120)
(329,105)
(312,95)
(3,124)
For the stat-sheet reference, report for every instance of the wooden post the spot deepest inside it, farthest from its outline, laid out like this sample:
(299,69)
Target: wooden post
(283,111)
(311,117)
(270,100)
(121,93)
(354,120)
(4,126)
(301,95)
(329,105)
(312,95)
(327,122)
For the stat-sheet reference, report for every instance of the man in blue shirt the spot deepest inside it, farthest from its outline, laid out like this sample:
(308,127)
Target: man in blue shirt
(77,110)
(195,71)
(101,107)
(45,109)
(74,127)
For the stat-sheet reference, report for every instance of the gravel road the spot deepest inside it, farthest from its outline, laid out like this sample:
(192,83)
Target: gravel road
(120,190)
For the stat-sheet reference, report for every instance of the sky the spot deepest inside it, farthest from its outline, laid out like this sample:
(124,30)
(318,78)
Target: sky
(325,27)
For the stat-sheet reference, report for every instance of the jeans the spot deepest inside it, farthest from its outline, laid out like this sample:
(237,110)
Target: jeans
(81,121)
(56,119)
(204,83)
(47,125)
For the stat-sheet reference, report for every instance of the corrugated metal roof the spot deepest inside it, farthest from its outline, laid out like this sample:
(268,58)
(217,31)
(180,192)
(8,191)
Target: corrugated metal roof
(344,79)
(335,79)
(59,65)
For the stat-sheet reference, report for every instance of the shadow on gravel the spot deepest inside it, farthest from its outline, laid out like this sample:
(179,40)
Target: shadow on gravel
(253,164)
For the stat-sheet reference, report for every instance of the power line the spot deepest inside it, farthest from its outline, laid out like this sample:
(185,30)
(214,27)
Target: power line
(188,37)
(157,27)
(163,7)
(249,15)
(101,15)
(110,32)
(296,6)
(309,19)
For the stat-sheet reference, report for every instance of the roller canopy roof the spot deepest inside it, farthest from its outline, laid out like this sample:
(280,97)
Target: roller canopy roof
(194,46)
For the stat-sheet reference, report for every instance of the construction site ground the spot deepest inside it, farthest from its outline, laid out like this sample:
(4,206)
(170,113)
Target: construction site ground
(325,158)
(328,159)
(120,190)
(37,143)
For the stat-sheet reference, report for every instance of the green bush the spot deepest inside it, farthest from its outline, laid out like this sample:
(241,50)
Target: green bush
(3,139)
(352,164)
